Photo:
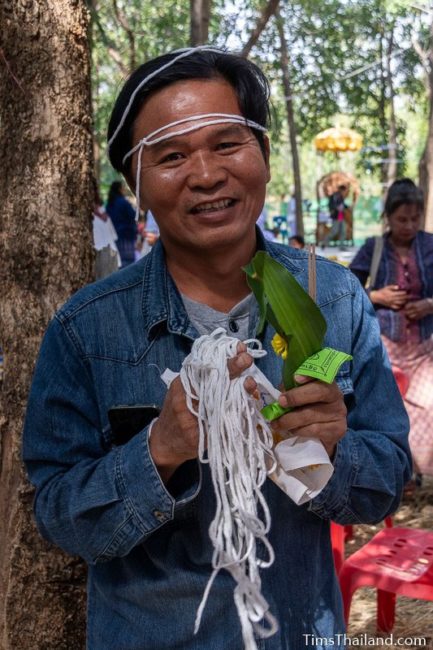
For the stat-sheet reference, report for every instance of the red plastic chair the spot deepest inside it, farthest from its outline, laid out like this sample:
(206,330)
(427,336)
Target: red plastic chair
(342,534)
(396,561)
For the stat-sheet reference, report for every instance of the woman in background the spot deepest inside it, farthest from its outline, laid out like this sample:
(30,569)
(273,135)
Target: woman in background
(402,297)
(122,215)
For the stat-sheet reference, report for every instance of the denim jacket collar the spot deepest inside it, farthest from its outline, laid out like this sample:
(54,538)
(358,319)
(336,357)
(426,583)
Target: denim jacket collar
(161,301)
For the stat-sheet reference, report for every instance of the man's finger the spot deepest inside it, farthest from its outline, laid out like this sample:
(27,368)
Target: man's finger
(310,393)
(238,364)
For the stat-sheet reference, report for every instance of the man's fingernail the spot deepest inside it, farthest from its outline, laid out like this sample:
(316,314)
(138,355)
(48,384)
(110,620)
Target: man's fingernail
(301,379)
(282,400)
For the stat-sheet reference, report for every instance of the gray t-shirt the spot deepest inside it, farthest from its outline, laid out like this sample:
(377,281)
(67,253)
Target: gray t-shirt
(236,323)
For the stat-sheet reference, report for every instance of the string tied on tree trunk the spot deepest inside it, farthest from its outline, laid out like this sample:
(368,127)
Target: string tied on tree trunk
(236,441)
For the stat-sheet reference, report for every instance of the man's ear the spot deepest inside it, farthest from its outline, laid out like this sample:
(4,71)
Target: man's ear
(267,156)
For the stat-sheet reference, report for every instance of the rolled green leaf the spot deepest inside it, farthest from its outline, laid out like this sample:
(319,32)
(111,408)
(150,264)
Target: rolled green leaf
(290,310)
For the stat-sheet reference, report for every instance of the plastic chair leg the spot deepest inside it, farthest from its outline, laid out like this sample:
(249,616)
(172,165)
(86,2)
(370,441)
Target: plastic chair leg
(348,532)
(385,611)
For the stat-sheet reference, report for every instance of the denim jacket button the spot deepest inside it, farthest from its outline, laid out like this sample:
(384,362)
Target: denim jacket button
(161,516)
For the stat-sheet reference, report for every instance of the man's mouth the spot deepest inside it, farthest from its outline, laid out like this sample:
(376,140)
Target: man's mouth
(211,206)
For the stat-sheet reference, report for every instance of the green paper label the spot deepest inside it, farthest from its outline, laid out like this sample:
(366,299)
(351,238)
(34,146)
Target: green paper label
(323,365)
(273,411)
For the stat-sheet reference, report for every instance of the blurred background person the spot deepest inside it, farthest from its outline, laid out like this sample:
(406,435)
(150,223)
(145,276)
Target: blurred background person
(297,241)
(336,213)
(148,234)
(122,215)
(401,293)
(107,258)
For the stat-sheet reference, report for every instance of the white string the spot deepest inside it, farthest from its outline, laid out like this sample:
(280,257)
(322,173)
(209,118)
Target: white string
(182,54)
(237,442)
(149,139)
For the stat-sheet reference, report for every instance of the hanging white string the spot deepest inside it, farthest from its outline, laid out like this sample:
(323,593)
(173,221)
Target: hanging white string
(236,441)
(182,54)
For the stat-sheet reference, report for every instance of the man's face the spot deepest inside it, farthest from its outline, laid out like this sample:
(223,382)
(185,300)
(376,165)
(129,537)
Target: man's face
(205,188)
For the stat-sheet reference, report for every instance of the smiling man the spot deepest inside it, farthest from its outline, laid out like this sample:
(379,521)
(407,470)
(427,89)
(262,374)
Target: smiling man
(188,132)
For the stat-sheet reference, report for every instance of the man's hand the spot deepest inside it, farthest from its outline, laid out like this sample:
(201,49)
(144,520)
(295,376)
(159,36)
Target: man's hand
(318,412)
(390,296)
(418,309)
(175,433)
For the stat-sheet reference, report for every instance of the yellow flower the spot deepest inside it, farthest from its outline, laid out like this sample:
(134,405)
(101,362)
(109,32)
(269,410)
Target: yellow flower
(280,346)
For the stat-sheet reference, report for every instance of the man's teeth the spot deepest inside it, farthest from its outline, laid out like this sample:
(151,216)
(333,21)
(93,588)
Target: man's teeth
(215,205)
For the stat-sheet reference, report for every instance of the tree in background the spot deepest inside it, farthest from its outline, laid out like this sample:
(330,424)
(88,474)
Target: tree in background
(46,196)
(199,21)
(291,122)
(423,45)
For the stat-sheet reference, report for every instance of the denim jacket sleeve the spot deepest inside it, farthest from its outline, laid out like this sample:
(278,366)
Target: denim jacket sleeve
(89,501)
(372,461)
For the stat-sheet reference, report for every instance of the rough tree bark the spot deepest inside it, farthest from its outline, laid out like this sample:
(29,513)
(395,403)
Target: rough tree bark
(200,16)
(285,69)
(45,239)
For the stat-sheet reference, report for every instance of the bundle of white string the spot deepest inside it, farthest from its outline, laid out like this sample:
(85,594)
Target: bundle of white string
(237,443)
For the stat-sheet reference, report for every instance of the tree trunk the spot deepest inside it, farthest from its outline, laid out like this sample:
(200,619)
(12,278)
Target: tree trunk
(200,16)
(425,168)
(392,140)
(285,69)
(269,9)
(382,111)
(426,162)
(46,190)
(130,35)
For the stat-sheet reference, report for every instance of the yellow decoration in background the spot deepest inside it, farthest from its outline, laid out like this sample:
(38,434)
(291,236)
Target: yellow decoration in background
(338,139)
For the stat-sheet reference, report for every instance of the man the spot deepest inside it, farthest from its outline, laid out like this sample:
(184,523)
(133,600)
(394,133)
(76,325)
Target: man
(187,131)
(336,212)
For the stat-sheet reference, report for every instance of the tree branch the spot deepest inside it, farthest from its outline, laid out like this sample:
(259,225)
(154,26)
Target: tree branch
(109,44)
(270,9)
(123,21)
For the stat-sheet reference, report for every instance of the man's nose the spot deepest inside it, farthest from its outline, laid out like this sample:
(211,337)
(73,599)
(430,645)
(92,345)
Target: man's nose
(207,170)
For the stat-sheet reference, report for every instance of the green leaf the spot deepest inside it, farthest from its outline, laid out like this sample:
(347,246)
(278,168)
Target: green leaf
(257,288)
(291,311)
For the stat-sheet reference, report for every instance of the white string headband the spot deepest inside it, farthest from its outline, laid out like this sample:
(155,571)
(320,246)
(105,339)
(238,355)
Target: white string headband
(150,139)
(182,54)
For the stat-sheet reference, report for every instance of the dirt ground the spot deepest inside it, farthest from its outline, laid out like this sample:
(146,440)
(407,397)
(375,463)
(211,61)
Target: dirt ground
(414,618)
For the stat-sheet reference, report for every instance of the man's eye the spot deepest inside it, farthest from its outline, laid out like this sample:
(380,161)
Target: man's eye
(227,145)
(171,157)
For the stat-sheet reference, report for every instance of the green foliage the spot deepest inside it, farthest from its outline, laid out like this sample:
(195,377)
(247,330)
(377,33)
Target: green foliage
(337,67)
(290,310)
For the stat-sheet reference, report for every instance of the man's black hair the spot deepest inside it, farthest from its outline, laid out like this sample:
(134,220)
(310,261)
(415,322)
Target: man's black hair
(403,192)
(248,82)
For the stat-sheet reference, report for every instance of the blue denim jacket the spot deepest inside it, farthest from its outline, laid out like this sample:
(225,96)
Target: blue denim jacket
(147,546)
